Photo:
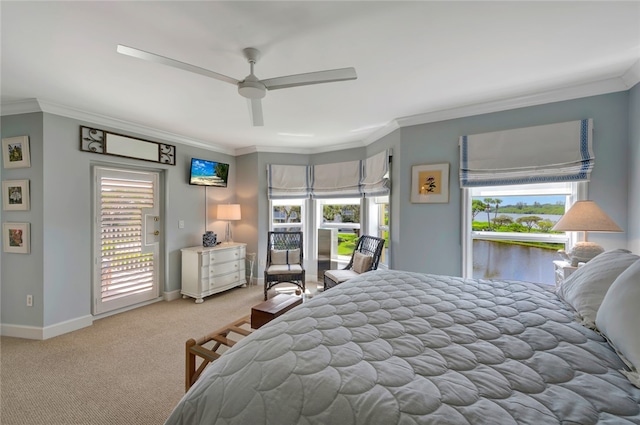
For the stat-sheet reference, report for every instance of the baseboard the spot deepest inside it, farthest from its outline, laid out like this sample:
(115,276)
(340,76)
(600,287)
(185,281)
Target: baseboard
(34,332)
(172,295)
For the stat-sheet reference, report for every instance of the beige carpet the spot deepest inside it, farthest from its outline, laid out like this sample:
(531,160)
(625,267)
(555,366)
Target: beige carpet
(125,369)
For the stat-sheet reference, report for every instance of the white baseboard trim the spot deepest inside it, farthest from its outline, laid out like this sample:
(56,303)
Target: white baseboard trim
(172,295)
(34,332)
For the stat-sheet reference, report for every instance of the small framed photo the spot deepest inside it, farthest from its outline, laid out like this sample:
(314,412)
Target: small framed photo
(430,183)
(15,195)
(15,152)
(15,237)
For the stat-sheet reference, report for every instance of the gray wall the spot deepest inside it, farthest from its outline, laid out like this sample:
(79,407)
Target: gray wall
(430,239)
(58,270)
(633,224)
(424,237)
(22,274)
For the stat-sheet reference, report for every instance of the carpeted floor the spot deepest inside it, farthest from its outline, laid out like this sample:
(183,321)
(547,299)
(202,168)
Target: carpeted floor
(125,369)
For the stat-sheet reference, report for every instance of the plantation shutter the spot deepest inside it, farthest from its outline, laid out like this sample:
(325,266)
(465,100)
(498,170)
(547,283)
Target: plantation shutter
(559,152)
(126,268)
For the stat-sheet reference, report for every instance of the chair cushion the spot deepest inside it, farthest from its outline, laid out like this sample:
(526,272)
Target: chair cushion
(361,262)
(285,256)
(339,276)
(285,269)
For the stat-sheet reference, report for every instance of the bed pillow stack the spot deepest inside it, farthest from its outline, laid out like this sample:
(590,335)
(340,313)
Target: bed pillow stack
(619,319)
(586,288)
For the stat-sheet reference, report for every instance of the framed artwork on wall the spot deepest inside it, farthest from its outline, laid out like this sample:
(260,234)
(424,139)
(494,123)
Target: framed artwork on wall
(430,183)
(15,152)
(15,195)
(15,237)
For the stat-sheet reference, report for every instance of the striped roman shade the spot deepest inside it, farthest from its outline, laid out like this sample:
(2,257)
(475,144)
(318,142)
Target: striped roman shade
(351,179)
(547,153)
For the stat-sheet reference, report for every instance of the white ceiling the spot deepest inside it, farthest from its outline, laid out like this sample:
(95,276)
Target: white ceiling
(416,61)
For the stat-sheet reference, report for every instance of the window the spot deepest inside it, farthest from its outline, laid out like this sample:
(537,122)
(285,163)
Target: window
(379,223)
(287,215)
(508,232)
(344,215)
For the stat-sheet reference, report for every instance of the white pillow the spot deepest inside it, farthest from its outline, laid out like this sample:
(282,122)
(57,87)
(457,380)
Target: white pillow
(361,262)
(619,318)
(585,289)
(285,256)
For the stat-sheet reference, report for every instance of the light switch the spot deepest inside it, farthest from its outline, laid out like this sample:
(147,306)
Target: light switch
(181,224)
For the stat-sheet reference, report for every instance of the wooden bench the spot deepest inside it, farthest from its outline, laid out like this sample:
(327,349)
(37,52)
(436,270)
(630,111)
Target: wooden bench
(195,347)
(270,309)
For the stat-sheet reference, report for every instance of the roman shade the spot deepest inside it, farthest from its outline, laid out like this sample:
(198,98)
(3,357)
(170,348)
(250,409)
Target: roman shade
(351,179)
(547,153)
(287,181)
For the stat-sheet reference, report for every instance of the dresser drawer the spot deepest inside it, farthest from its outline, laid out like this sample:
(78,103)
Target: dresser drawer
(223,256)
(227,279)
(224,268)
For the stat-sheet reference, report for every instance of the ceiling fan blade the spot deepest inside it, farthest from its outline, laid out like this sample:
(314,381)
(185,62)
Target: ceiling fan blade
(319,77)
(255,112)
(152,57)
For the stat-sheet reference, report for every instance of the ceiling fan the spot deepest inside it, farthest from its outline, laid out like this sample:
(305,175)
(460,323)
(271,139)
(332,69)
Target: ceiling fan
(250,87)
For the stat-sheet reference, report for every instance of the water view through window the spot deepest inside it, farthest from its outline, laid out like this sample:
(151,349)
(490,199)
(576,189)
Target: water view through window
(521,220)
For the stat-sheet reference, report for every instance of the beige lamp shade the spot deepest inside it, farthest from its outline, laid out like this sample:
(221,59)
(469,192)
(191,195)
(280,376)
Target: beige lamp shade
(585,216)
(229,212)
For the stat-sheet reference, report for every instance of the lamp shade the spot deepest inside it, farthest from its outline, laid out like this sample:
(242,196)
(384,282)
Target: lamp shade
(229,212)
(586,216)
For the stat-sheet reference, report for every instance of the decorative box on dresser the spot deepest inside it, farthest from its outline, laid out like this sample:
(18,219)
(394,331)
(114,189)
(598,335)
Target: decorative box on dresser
(207,271)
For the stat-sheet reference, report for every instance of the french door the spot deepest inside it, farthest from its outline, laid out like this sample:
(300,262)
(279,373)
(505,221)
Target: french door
(127,238)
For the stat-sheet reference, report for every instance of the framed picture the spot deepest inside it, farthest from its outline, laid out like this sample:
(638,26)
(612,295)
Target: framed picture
(15,237)
(15,152)
(15,195)
(430,183)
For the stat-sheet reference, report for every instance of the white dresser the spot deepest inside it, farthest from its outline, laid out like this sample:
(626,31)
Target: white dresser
(207,271)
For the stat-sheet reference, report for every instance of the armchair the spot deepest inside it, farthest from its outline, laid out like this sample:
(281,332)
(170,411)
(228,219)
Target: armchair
(285,260)
(365,257)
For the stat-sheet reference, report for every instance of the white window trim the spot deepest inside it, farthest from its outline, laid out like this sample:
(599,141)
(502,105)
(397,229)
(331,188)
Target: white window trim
(569,238)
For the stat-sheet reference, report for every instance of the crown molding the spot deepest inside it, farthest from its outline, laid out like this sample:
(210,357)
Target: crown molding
(609,85)
(302,151)
(39,105)
(17,107)
(632,76)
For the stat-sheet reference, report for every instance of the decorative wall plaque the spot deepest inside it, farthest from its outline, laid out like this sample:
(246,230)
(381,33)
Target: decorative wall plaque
(107,143)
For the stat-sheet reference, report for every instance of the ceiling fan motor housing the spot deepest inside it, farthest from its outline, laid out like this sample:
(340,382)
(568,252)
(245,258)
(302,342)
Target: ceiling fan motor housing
(251,89)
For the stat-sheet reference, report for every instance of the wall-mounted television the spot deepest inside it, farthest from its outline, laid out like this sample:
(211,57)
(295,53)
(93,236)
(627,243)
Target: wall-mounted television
(208,173)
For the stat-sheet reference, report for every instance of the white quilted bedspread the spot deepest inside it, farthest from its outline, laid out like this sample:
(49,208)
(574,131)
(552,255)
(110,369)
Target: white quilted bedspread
(394,347)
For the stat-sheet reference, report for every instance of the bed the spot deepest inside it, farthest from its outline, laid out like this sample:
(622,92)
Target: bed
(394,347)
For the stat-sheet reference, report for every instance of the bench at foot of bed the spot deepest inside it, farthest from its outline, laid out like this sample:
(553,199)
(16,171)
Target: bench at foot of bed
(241,327)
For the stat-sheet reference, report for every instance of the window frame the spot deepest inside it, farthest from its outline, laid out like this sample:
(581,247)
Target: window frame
(578,192)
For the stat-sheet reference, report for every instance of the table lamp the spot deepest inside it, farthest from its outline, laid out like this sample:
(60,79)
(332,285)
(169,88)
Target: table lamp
(585,216)
(229,212)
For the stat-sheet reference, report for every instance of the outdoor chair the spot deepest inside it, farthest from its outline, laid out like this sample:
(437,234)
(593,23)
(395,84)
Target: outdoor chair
(365,257)
(285,260)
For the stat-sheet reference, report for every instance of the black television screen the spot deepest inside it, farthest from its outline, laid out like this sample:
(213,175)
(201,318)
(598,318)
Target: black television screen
(208,173)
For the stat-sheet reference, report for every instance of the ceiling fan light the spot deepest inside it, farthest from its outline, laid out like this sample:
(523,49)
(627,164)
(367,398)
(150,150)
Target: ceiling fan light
(252,89)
